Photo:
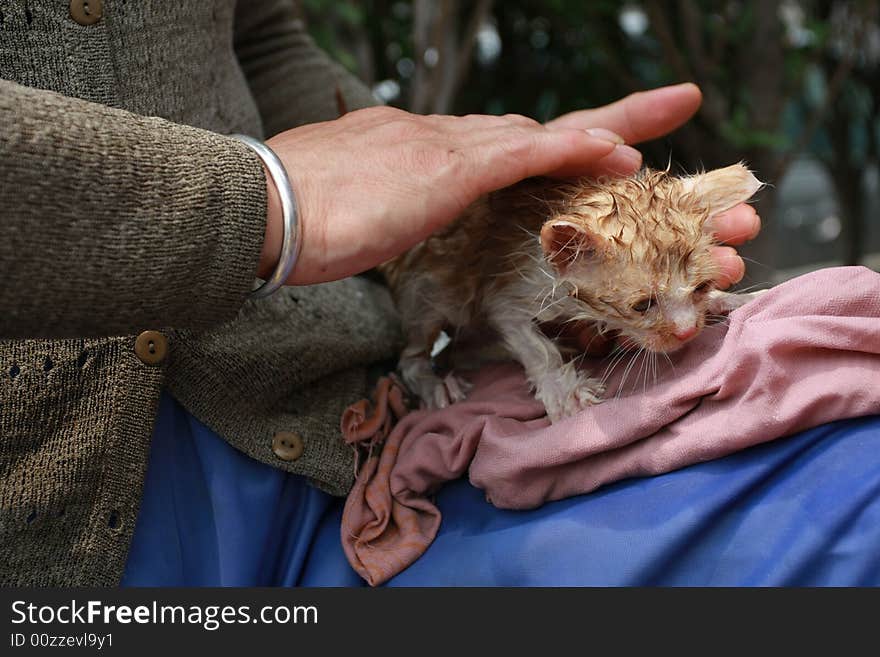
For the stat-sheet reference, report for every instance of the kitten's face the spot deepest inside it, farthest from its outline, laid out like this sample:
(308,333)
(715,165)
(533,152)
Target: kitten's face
(656,301)
(636,256)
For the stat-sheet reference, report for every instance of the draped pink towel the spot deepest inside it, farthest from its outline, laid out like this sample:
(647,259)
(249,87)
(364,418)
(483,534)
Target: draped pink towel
(802,354)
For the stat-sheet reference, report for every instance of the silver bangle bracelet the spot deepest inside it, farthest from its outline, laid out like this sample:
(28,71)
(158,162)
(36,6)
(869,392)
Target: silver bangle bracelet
(290,243)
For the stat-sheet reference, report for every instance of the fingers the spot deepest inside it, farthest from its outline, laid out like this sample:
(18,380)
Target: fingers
(607,135)
(508,156)
(622,161)
(736,226)
(640,116)
(478,121)
(515,119)
(513,147)
(731,266)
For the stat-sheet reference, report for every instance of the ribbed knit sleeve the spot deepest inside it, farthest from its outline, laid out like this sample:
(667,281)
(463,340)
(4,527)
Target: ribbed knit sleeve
(293,81)
(111,222)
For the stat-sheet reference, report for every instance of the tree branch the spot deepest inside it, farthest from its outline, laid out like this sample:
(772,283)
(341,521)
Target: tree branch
(692,25)
(670,48)
(477,18)
(835,85)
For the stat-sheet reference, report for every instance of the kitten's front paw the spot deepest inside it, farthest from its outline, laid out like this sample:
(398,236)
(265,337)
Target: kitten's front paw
(452,389)
(567,392)
(440,393)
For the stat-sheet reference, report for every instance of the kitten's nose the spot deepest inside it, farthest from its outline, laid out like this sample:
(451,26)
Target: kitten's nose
(685,333)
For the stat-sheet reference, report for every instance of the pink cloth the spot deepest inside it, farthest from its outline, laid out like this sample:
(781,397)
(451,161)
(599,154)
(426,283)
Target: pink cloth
(804,353)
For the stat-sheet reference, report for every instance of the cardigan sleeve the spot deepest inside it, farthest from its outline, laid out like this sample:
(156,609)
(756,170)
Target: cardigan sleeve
(111,222)
(293,81)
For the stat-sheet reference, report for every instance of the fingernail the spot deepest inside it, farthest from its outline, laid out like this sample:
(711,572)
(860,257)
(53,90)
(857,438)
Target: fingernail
(629,154)
(605,135)
(622,161)
(740,274)
(735,268)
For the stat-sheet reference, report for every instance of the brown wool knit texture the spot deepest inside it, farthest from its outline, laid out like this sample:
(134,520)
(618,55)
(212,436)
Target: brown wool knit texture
(123,207)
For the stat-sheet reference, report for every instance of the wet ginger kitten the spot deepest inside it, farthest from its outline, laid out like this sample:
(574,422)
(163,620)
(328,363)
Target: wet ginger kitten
(630,255)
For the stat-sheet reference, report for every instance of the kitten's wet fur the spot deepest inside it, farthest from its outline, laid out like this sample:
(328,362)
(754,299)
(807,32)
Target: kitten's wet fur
(631,255)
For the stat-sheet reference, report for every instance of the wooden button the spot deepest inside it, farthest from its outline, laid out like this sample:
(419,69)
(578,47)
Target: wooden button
(86,12)
(151,347)
(287,445)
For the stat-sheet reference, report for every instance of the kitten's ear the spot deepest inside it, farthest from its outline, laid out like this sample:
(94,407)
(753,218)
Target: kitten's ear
(566,242)
(721,189)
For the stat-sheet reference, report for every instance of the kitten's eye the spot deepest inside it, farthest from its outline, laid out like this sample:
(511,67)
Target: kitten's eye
(643,305)
(703,287)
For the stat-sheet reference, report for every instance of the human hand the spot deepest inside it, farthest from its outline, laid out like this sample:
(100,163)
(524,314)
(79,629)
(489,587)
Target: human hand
(375,182)
(651,114)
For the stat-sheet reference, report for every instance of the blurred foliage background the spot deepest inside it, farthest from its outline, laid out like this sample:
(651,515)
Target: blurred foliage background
(790,86)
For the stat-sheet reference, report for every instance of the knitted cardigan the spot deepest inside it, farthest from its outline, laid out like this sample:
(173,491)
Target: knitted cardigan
(124,208)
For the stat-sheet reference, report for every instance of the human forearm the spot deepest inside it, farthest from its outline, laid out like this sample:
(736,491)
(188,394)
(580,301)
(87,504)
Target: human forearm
(112,222)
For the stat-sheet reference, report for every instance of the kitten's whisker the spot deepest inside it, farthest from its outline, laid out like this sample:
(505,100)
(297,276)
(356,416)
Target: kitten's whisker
(586,349)
(668,358)
(750,288)
(630,367)
(612,366)
(621,382)
(736,236)
(754,262)
(585,317)
(528,232)
(644,377)
(627,370)
(713,321)
(616,359)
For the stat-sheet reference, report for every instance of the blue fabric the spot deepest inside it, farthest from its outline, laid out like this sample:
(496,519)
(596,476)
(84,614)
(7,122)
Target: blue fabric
(211,516)
(803,510)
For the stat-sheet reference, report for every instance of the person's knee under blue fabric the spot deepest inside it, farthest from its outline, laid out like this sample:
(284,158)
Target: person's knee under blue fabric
(803,510)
